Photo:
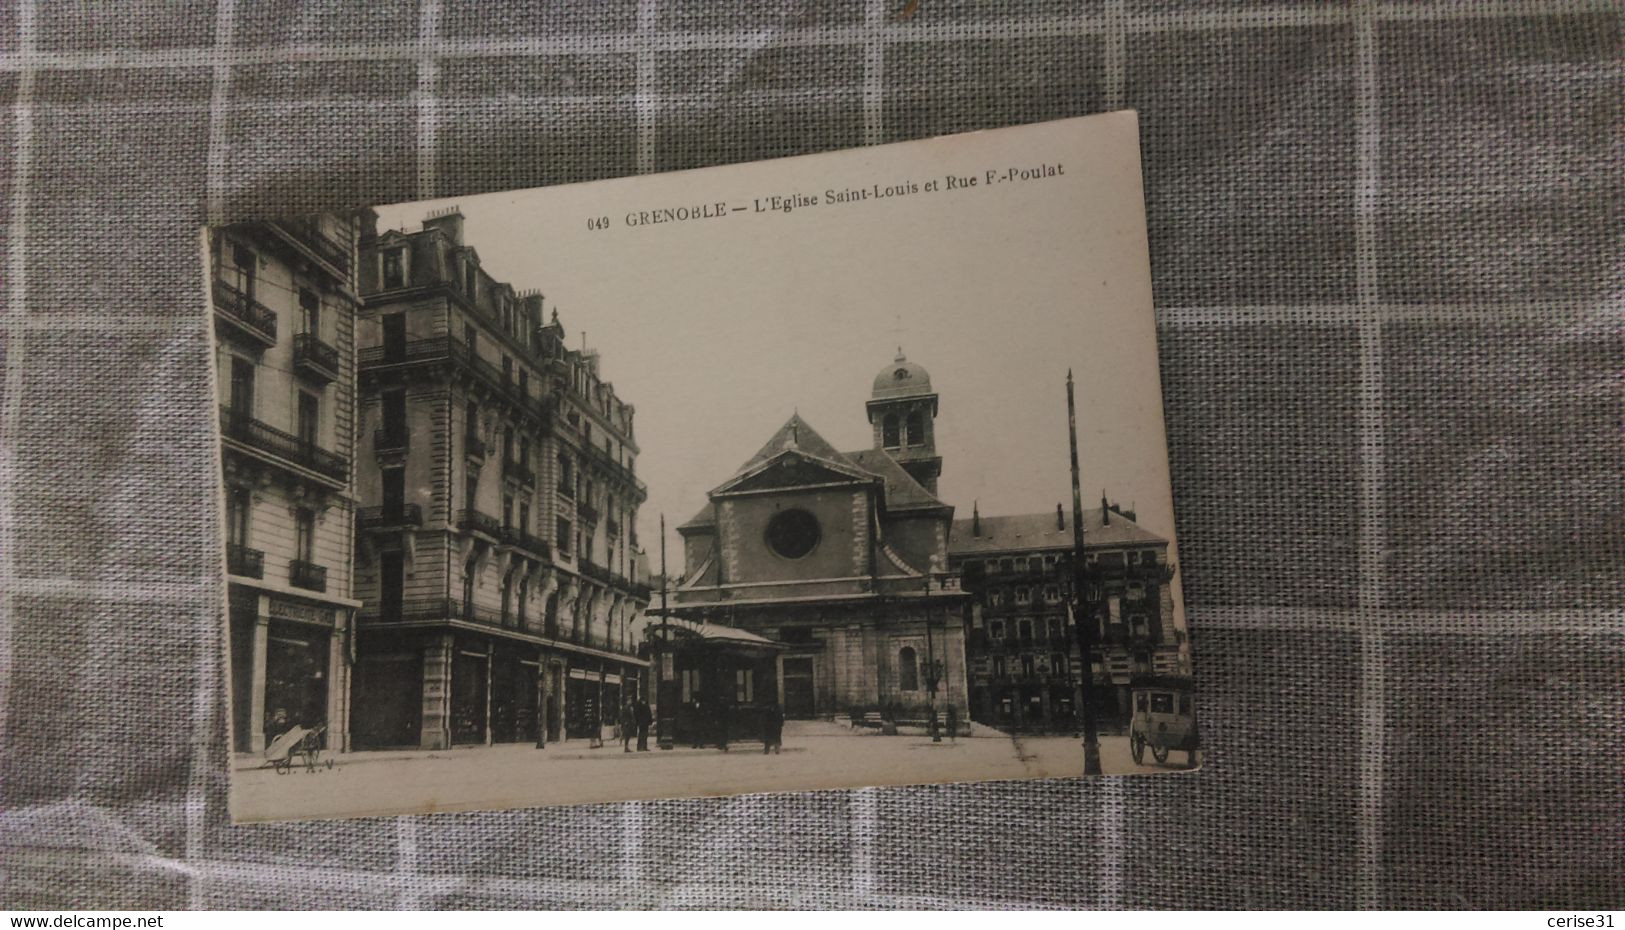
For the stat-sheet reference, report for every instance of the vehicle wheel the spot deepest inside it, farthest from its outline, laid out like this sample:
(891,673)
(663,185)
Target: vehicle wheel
(281,767)
(1136,746)
(1160,753)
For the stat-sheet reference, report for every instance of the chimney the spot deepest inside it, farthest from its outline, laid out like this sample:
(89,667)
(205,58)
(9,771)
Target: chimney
(1105,513)
(1060,518)
(449,221)
(975,519)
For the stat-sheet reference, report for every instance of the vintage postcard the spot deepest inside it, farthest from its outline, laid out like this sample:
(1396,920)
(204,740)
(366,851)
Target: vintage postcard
(831,471)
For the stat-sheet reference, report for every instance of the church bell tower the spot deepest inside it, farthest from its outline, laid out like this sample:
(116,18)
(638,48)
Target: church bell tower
(903,414)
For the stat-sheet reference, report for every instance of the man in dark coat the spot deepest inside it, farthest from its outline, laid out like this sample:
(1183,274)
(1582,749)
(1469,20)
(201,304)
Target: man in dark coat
(721,719)
(772,729)
(953,723)
(644,716)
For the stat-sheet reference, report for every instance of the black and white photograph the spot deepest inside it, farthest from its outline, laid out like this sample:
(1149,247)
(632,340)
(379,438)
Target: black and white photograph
(831,471)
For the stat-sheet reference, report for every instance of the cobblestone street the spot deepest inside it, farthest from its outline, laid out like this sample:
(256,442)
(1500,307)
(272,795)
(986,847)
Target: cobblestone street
(816,755)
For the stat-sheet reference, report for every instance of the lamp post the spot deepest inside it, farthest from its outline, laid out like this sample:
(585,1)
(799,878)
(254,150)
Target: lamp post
(1082,621)
(932,671)
(665,738)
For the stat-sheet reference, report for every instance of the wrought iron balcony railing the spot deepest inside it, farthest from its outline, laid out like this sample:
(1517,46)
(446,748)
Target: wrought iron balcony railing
(247,316)
(315,358)
(514,471)
(595,571)
(534,545)
(472,521)
(454,351)
(238,426)
(241,560)
(308,232)
(397,441)
(307,575)
(390,517)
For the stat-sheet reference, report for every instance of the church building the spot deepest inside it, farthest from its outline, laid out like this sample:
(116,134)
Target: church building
(842,559)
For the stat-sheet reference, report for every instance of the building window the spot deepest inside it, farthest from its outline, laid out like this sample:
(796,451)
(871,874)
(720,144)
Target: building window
(1024,595)
(1024,628)
(524,382)
(238,505)
(1141,628)
(908,670)
(1114,609)
(888,430)
(1027,669)
(394,482)
(1005,565)
(1021,564)
(691,684)
(524,517)
(471,488)
(304,535)
(241,273)
(998,667)
(995,597)
(1057,665)
(468,588)
(1135,592)
(394,325)
(1050,560)
(309,419)
(995,629)
(394,271)
(793,533)
(563,540)
(916,429)
(471,336)
(744,686)
(1052,594)
(507,511)
(471,288)
(242,387)
(567,481)
(310,312)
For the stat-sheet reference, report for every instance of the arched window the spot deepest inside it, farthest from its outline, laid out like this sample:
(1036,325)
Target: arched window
(916,429)
(908,670)
(888,429)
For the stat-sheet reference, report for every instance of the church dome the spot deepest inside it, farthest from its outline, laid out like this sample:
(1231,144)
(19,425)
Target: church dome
(902,378)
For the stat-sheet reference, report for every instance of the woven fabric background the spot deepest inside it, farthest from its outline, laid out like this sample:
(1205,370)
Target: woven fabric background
(1386,243)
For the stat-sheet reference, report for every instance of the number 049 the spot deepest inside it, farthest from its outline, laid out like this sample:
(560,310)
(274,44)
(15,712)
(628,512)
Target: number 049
(597,222)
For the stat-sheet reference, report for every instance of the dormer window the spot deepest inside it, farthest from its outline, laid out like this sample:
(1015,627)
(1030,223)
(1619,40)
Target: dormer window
(901,374)
(394,267)
(470,280)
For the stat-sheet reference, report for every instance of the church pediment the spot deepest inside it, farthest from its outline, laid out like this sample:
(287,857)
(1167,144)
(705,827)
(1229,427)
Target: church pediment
(793,469)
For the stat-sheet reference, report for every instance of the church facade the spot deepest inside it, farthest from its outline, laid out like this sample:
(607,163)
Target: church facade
(840,557)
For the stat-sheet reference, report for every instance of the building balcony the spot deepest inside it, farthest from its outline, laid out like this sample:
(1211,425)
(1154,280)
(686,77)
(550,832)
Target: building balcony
(315,359)
(307,575)
(472,521)
(244,316)
(242,429)
(307,233)
(434,353)
(514,471)
(386,518)
(595,571)
(587,513)
(534,545)
(474,447)
(391,441)
(241,560)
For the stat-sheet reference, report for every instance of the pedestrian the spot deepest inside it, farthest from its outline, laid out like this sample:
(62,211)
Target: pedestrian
(953,723)
(722,721)
(642,715)
(698,723)
(626,725)
(772,729)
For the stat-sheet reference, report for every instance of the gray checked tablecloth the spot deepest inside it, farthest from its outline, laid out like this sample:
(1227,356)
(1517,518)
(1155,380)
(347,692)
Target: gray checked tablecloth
(1387,249)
